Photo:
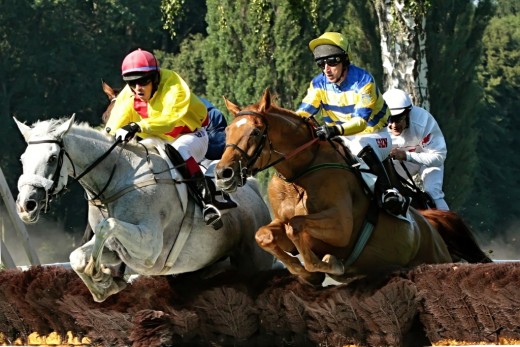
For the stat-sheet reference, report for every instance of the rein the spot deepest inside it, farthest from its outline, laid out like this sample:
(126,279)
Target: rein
(56,176)
(251,160)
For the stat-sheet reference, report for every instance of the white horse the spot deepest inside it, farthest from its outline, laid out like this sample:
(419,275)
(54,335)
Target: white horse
(140,215)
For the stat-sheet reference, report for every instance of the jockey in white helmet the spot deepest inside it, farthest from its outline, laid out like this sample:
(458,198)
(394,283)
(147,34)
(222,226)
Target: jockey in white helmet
(418,142)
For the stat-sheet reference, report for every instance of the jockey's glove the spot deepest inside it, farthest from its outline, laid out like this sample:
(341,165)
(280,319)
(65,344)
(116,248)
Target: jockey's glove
(326,132)
(127,132)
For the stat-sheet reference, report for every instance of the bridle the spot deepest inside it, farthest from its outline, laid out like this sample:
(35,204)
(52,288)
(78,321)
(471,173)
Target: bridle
(250,160)
(51,185)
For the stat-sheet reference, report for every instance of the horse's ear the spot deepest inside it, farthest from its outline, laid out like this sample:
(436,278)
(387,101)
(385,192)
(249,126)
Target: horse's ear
(265,104)
(24,129)
(62,129)
(109,91)
(234,109)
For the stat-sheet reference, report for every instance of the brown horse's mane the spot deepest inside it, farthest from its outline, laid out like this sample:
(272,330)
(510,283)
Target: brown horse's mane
(274,110)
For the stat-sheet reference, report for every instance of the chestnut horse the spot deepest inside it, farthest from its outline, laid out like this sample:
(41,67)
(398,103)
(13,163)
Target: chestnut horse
(321,209)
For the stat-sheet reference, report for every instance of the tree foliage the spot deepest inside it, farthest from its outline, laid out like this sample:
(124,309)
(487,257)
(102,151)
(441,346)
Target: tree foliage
(497,178)
(454,47)
(53,67)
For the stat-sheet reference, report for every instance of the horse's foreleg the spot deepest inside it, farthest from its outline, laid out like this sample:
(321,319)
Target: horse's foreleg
(295,231)
(138,244)
(79,260)
(94,268)
(270,237)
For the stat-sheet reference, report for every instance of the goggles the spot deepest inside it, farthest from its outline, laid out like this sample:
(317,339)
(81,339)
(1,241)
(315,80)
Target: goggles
(143,81)
(396,118)
(330,61)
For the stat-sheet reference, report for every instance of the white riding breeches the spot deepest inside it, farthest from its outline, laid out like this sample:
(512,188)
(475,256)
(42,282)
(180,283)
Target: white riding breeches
(381,143)
(193,144)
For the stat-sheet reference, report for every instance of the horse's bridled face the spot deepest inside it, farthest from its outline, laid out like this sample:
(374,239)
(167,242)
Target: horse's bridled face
(39,162)
(243,137)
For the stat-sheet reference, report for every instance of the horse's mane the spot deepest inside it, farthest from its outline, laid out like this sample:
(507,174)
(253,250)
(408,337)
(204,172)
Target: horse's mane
(287,114)
(85,130)
(49,128)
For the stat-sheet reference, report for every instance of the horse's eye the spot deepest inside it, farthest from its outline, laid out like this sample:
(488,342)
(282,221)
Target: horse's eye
(255,132)
(52,159)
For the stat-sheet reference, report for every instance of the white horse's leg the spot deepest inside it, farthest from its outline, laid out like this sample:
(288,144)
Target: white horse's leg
(137,243)
(141,243)
(79,259)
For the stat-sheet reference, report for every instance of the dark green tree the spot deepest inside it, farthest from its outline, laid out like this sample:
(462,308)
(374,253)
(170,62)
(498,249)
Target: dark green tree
(495,204)
(454,46)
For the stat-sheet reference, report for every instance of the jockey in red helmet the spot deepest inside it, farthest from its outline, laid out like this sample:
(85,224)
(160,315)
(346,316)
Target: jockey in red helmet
(158,103)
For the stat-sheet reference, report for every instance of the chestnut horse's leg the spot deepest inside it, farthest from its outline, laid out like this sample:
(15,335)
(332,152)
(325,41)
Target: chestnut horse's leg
(325,227)
(271,237)
(329,264)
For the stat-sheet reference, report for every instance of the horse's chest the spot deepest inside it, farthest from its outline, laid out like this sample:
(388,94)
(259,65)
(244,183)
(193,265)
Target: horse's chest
(294,203)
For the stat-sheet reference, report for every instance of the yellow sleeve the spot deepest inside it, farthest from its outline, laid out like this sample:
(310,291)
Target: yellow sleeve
(311,102)
(353,126)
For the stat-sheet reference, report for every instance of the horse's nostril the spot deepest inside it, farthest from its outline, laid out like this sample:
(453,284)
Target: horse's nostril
(227,173)
(30,205)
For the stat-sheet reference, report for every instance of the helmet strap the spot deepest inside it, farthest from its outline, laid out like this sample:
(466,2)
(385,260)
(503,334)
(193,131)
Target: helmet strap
(155,82)
(344,71)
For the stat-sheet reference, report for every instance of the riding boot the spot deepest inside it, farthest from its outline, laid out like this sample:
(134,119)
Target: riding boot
(210,212)
(392,201)
(211,196)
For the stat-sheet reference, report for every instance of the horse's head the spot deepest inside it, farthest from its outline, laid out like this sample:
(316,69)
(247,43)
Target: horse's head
(245,140)
(45,172)
(260,136)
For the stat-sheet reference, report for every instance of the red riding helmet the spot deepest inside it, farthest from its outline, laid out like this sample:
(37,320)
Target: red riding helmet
(138,64)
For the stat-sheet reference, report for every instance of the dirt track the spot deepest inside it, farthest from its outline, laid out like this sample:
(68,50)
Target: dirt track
(427,305)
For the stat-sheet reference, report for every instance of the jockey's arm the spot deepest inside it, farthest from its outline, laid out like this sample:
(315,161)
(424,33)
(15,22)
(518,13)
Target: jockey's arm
(353,126)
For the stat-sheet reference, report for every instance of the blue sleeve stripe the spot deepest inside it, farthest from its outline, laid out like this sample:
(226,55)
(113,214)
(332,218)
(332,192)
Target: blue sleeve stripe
(340,109)
(308,108)
(377,117)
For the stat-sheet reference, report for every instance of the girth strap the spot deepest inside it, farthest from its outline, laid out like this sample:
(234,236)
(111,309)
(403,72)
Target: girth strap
(366,232)
(182,237)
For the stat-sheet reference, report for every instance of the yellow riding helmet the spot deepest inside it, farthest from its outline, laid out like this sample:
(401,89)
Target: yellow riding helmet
(330,38)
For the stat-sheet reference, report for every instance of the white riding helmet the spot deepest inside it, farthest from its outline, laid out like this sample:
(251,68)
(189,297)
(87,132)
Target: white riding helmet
(397,100)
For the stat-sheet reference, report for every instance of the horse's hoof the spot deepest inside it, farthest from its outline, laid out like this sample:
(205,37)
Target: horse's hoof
(314,279)
(336,266)
(112,287)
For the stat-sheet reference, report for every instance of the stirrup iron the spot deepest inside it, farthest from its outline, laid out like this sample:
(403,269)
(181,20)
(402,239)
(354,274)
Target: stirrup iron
(212,216)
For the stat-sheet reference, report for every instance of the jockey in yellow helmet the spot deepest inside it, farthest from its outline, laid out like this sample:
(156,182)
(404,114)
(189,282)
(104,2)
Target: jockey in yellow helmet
(352,107)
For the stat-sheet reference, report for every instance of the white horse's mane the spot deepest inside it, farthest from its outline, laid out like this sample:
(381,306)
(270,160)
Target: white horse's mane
(50,128)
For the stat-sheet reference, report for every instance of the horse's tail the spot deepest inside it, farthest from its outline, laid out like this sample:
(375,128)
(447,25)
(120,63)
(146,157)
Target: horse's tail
(457,235)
